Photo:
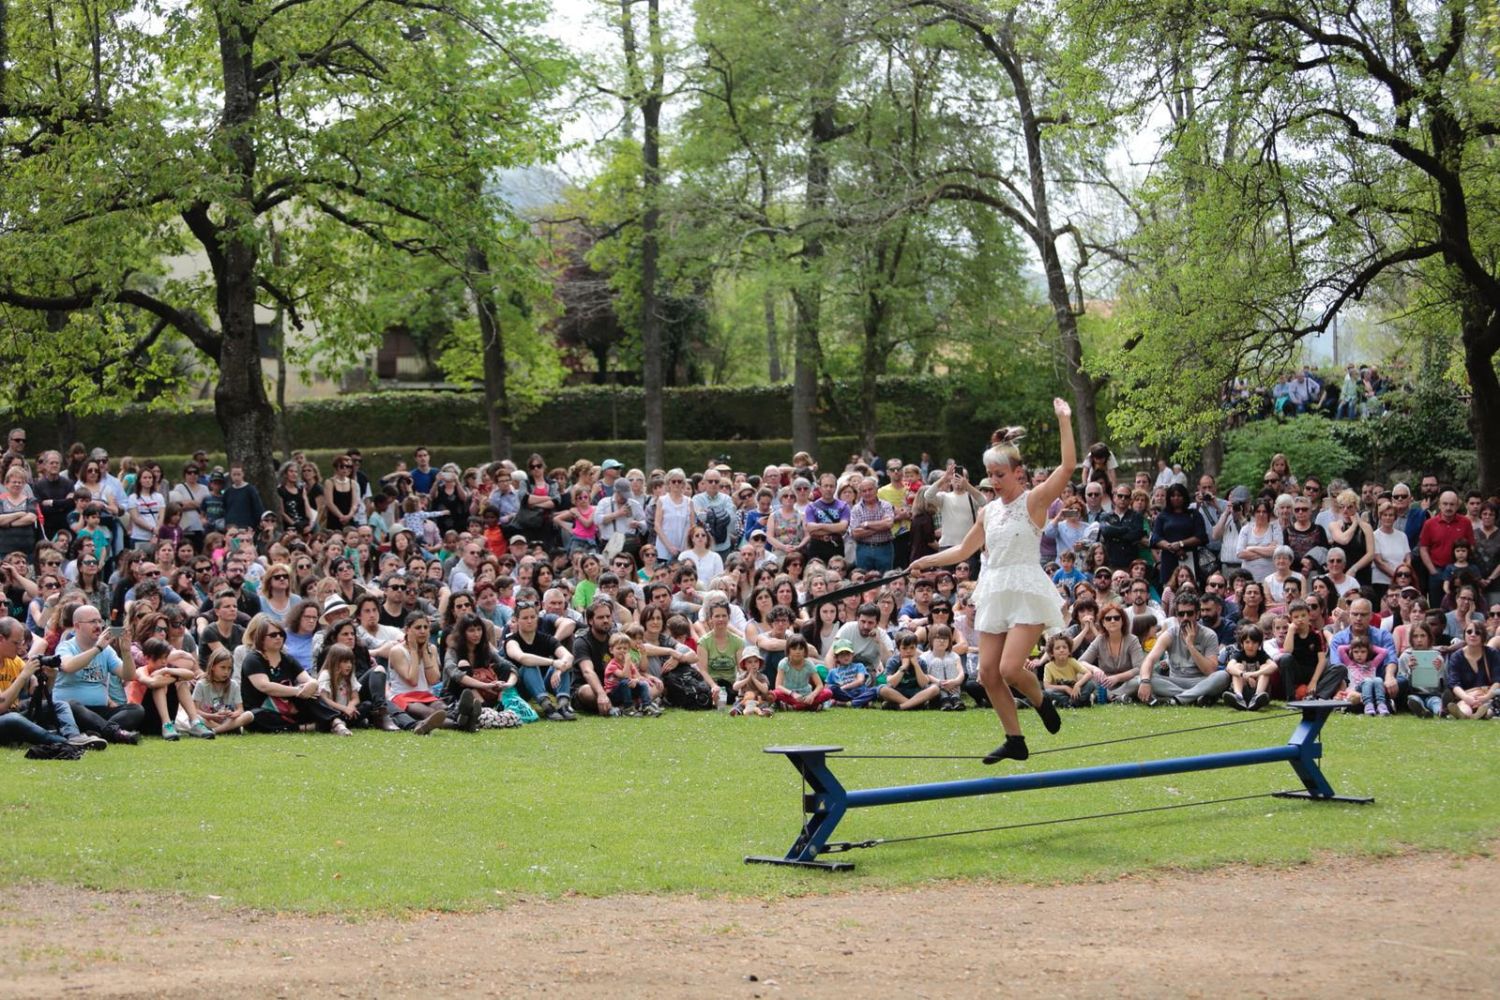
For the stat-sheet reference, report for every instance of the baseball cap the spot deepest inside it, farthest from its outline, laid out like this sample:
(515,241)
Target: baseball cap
(610,463)
(1239,495)
(843,646)
(758,531)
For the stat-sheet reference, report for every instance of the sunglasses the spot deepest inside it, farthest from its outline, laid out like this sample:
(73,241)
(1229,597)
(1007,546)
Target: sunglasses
(536,465)
(272,635)
(1112,618)
(1187,614)
(154,573)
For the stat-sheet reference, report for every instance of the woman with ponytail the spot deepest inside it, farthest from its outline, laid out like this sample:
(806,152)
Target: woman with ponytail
(1015,602)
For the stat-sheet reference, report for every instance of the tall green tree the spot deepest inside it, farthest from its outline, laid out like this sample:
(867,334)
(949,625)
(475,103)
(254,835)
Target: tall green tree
(130,135)
(1370,159)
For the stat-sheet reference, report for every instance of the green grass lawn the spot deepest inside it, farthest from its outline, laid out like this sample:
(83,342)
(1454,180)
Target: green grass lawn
(457,821)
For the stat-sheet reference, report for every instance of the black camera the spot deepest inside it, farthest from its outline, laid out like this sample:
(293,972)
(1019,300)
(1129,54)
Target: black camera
(50,662)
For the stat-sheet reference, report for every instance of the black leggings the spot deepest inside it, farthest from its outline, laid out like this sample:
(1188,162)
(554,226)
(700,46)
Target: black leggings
(98,718)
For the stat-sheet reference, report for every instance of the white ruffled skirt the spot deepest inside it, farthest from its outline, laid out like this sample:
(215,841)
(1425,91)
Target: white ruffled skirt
(1016,595)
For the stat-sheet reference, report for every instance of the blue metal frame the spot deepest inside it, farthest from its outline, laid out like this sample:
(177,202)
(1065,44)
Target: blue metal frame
(827,800)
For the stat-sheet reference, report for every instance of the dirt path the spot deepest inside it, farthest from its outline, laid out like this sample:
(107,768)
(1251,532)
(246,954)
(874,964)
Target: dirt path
(1344,929)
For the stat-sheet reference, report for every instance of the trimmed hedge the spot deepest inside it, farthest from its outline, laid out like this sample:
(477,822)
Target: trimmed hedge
(749,456)
(731,416)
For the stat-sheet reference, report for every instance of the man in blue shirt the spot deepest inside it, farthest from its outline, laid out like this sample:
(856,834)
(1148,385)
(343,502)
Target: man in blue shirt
(92,678)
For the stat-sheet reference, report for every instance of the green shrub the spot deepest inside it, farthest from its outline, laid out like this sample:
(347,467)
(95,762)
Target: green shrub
(1308,442)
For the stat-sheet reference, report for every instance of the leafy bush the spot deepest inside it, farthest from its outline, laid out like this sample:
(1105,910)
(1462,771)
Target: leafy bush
(1424,430)
(1309,443)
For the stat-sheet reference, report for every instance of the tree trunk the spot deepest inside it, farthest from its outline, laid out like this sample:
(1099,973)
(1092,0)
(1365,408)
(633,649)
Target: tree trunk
(1481,339)
(278,324)
(497,413)
(649,99)
(240,403)
(773,349)
(871,361)
(807,362)
(1085,405)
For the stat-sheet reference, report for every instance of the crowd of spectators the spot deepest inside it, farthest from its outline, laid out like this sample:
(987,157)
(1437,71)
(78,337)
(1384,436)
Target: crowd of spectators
(1351,394)
(182,602)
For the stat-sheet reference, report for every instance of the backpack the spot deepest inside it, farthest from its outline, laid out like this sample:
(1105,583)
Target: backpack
(717,522)
(686,688)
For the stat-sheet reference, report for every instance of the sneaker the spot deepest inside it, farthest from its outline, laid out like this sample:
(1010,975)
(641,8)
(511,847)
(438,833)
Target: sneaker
(169,732)
(339,729)
(651,711)
(614,712)
(1260,701)
(1381,708)
(565,709)
(199,730)
(54,751)
(1418,707)
(1207,701)
(433,721)
(550,712)
(115,734)
(1369,708)
(1234,701)
(633,713)
(88,741)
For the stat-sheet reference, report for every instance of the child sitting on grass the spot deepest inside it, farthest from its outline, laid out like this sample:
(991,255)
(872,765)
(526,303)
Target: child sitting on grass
(1423,666)
(848,679)
(217,695)
(907,685)
(798,685)
(1366,685)
(159,671)
(1249,664)
(752,692)
(1065,681)
(629,694)
(945,667)
(337,688)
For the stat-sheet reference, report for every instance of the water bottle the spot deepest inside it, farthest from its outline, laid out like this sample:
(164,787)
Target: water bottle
(1101,695)
(723,699)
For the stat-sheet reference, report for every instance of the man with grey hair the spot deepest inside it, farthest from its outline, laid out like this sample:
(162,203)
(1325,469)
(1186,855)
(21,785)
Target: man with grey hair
(870,522)
(53,491)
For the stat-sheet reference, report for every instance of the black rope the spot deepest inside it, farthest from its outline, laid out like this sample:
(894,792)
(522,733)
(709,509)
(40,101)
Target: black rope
(1075,746)
(842,846)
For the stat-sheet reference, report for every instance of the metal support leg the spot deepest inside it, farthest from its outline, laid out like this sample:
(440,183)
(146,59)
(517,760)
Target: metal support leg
(1316,787)
(824,805)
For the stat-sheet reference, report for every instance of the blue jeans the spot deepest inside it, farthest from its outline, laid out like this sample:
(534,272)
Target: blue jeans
(1434,702)
(858,698)
(1372,691)
(879,558)
(16,728)
(531,683)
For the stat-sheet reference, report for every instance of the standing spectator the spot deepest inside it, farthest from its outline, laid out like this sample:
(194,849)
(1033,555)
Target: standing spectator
(1176,536)
(242,507)
(1351,532)
(1209,509)
(1409,517)
(871,521)
(957,503)
(18,523)
(1435,544)
(340,500)
(1487,552)
(1302,536)
(53,492)
(189,496)
(1391,550)
(1123,530)
(424,476)
(827,520)
(715,511)
(671,521)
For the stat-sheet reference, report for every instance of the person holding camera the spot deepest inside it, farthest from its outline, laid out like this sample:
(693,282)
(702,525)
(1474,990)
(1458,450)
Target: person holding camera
(91,680)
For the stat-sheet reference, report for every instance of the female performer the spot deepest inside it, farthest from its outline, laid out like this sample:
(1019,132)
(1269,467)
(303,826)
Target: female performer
(1015,601)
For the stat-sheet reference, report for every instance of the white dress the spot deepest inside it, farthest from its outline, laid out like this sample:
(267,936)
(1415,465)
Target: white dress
(1013,588)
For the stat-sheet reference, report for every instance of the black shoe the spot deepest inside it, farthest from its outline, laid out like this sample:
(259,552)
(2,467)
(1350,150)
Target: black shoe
(1207,701)
(1234,701)
(1047,712)
(1259,702)
(468,711)
(1014,748)
(54,751)
(115,734)
(565,709)
(1418,707)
